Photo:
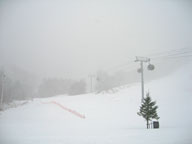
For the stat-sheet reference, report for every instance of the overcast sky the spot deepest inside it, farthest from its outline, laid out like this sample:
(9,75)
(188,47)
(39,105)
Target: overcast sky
(71,38)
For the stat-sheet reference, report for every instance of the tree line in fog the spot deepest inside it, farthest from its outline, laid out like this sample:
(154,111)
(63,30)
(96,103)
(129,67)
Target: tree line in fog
(22,89)
(19,85)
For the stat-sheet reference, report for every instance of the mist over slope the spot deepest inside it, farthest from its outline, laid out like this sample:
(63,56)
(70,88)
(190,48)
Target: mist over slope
(108,117)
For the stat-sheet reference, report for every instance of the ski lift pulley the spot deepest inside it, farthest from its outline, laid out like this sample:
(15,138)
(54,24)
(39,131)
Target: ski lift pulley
(139,70)
(150,67)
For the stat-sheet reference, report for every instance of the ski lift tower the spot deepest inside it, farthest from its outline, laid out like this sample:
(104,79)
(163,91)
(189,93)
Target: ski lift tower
(2,89)
(141,70)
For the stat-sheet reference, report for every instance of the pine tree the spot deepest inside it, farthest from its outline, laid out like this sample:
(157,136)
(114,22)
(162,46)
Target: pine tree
(148,109)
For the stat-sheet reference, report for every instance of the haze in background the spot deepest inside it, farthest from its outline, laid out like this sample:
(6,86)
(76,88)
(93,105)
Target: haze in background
(56,38)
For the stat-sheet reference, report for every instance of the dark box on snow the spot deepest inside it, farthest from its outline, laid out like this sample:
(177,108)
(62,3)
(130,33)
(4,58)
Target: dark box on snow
(155,124)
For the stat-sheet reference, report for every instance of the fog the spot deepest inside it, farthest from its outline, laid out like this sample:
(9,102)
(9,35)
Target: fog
(84,71)
(71,39)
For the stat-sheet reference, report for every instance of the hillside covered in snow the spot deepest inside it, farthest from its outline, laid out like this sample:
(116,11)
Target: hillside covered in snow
(104,118)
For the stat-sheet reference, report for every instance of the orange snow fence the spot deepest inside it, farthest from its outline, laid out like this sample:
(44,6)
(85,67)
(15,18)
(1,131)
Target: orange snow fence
(68,109)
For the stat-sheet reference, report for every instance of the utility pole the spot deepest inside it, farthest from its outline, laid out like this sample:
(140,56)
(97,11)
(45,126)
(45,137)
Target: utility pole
(141,70)
(91,76)
(2,89)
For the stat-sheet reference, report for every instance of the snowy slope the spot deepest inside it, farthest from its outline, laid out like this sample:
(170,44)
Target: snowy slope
(109,117)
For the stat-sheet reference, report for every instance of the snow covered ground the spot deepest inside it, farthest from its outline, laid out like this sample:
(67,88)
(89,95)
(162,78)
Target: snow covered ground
(110,118)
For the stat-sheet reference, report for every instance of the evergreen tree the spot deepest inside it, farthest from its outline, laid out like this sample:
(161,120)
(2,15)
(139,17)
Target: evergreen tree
(148,109)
